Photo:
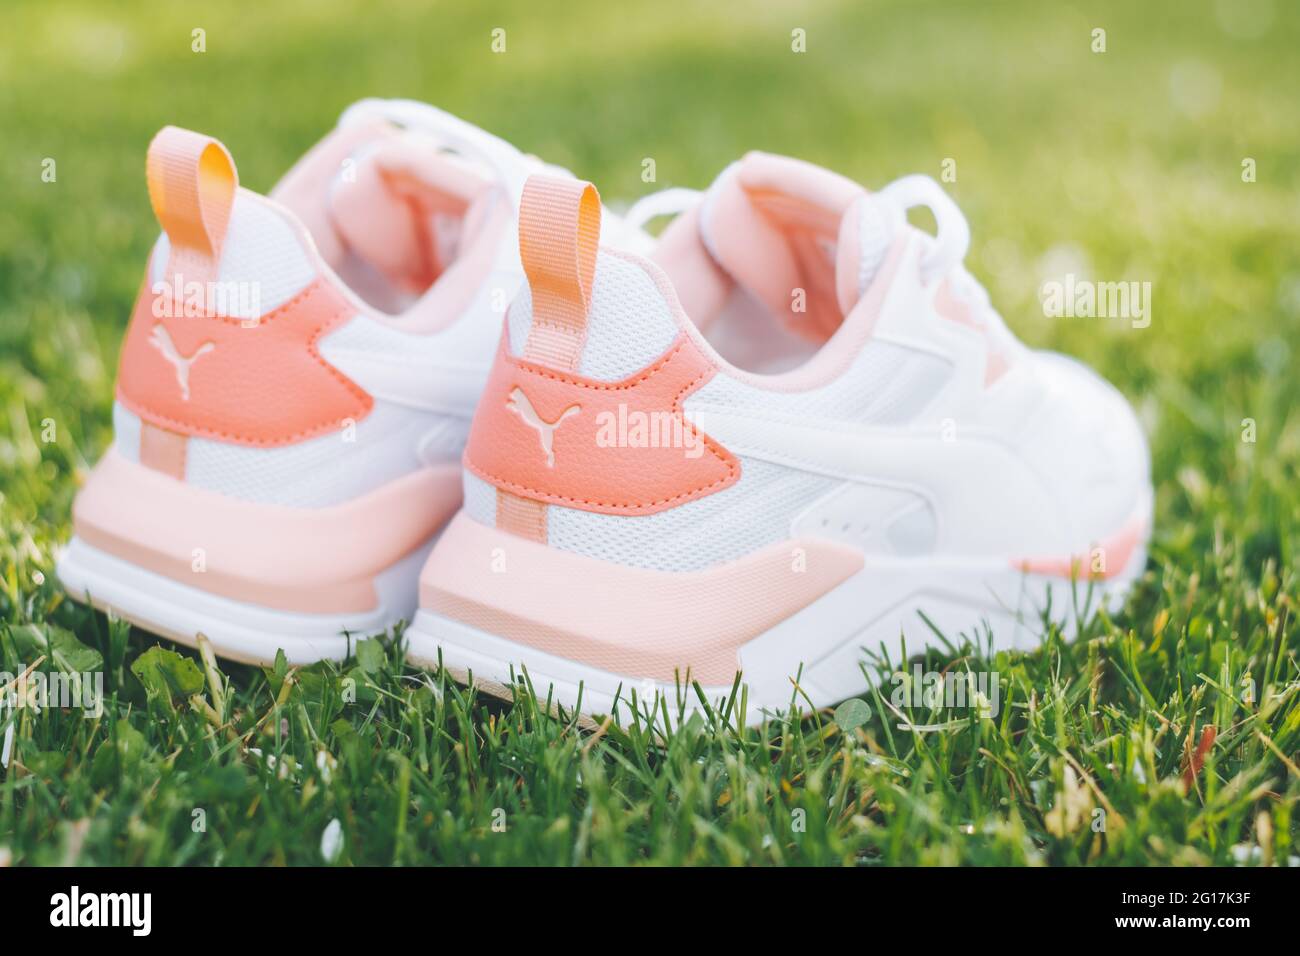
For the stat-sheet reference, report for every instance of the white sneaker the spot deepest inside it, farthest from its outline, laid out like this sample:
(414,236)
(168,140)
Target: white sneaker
(787,435)
(297,383)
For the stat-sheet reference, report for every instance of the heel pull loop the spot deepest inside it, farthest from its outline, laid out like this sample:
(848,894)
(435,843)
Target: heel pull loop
(192,185)
(559,234)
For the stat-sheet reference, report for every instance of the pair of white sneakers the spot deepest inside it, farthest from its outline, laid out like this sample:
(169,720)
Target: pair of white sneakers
(789,428)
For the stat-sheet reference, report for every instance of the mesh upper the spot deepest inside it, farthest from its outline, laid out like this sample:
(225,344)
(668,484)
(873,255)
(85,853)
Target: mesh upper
(261,249)
(321,471)
(629,324)
(754,512)
(885,384)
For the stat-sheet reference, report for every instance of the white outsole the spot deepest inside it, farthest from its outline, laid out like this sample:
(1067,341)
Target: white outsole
(238,631)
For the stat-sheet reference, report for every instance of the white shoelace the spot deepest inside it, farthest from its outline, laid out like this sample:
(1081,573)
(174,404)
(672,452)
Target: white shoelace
(671,201)
(947,250)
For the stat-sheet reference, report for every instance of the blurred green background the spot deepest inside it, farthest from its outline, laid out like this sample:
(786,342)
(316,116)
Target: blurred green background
(1122,165)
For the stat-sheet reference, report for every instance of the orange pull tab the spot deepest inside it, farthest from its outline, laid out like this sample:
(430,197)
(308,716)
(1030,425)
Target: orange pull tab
(192,184)
(559,233)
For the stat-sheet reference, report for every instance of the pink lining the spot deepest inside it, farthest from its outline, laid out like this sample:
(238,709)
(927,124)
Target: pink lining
(319,561)
(302,190)
(386,210)
(701,284)
(831,360)
(301,199)
(770,221)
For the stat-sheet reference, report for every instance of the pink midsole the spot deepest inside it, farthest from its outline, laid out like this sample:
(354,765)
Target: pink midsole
(654,624)
(626,620)
(314,560)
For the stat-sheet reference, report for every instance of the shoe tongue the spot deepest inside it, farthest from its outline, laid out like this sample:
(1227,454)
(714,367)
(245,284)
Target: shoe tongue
(867,231)
(404,208)
(798,238)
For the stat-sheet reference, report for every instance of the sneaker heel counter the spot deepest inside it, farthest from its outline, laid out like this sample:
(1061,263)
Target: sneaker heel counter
(583,405)
(223,339)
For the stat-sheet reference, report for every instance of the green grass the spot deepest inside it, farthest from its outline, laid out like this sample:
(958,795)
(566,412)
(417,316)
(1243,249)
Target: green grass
(1126,165)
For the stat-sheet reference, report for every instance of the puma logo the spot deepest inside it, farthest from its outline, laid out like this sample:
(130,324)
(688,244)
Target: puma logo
(519,404)
(160,340)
